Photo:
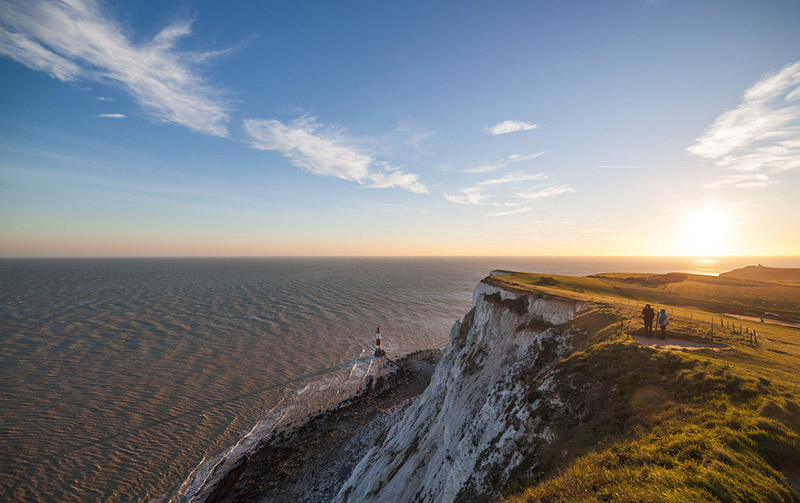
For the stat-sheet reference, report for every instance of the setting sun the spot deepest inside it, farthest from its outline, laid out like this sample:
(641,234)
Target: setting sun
(706,232)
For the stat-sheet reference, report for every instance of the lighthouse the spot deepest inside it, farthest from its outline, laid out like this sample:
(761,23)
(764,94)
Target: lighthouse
(378,349)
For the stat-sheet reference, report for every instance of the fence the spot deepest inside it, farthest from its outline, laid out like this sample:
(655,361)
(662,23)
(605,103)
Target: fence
(714,322)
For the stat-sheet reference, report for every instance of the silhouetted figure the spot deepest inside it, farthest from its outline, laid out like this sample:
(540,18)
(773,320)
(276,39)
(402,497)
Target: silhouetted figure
(663,321)
(648,313)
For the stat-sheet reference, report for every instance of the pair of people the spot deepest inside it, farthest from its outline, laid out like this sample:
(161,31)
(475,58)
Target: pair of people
(648,313)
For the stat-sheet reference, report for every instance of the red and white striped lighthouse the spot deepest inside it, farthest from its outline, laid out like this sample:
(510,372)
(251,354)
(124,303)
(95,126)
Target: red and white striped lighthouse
(378,349)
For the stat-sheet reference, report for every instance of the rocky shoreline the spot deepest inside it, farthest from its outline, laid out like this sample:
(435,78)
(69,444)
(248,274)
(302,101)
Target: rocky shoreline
(311,462)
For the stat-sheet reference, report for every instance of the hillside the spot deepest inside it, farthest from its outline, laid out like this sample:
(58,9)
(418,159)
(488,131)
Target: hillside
(658,425)
(544,394)
(766,274)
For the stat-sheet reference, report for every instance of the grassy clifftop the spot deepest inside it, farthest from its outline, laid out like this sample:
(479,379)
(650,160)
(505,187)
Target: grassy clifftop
(768,274)
(642,423)
(712,294)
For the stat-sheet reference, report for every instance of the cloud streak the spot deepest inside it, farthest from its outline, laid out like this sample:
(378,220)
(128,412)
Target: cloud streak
(469,195)
(524,209)
(513,190)
(515,178)
(553,190)
(326,152)
(509,126)
(758,138)
(73,41)
(111,116)
(502,163)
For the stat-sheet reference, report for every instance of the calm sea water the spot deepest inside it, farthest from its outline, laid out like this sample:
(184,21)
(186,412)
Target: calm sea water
(118,376)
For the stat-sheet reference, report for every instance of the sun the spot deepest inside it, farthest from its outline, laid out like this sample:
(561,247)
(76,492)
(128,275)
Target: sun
(707,232)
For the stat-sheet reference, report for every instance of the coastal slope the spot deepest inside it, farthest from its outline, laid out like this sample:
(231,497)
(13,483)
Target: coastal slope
(535,385)
(477,421)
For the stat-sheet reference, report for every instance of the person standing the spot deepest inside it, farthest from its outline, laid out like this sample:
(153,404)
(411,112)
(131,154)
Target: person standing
(648,313)
(663,321)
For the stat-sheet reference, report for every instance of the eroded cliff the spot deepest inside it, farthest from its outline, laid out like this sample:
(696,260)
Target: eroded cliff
(479,421)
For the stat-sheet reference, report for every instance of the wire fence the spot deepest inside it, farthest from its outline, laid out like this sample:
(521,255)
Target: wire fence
(710,323)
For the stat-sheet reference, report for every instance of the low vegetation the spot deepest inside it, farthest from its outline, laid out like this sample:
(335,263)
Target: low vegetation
(646,424)
(706,293)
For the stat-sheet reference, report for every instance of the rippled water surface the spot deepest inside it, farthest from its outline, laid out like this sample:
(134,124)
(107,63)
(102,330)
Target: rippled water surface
(118,376)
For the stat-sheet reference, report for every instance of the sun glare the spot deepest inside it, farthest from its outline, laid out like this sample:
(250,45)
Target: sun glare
(706,233)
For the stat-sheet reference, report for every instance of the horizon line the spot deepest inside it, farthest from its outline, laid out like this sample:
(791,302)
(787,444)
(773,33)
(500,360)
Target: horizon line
(696,257)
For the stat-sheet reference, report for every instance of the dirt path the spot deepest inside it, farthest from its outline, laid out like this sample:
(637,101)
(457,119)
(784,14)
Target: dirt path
(678,344)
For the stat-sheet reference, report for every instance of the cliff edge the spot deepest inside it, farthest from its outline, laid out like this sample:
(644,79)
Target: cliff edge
(542,394)
(477,422)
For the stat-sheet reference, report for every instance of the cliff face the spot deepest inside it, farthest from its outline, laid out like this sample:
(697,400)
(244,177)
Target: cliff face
(477,421)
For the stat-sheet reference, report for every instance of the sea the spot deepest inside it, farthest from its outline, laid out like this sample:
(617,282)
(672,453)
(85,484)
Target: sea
(127,380)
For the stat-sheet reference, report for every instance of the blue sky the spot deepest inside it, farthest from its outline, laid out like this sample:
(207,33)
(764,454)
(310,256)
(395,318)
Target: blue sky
(399,128)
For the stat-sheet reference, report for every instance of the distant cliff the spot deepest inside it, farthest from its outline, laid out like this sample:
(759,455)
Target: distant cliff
(762,273)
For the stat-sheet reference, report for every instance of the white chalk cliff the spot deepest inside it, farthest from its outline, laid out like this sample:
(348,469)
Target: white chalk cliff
(476,424)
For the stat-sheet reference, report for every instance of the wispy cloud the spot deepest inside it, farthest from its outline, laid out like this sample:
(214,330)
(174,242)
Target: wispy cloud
(111,116)
(72,41)
(516,178)
(521,158)
(469,195)
(743,181)
(509,126)
(477,194)
(502,163)
(524,209)
(760,136)
(553,190)
(513,190)
(327,152)
(485,168)
(631,166)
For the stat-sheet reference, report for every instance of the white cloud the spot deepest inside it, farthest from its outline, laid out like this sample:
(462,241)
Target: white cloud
(502,163)
(516,178)
(393,177)
(485,168)
(761,134)
(524,209)
(533,186)
(35,56)
(111,116)
(743,181)
(553,190)
(326,152)
(520,158)
(104,98)
(469,195)
(72,40)
(509,126)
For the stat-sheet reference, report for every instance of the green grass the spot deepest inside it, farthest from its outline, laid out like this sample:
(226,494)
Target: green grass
(708,293)
(643,424)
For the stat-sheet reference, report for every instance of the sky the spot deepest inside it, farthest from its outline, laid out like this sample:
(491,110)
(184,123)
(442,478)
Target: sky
(560,128)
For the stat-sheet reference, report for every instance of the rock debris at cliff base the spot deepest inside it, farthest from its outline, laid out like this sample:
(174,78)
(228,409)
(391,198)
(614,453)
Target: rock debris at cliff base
(309,464)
